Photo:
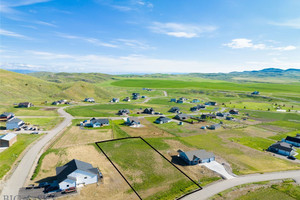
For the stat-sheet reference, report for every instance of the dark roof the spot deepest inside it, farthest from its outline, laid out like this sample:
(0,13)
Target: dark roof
(293,139)
(180,116)
(282,146)
(101,121)
(163,119)
(6,114)
(63,171)
(201,154)
(24,104)
(133,119)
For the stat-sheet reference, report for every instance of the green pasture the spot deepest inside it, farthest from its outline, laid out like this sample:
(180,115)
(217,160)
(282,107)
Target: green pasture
(44,123)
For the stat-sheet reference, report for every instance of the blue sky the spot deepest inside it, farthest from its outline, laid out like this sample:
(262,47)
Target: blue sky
(149,36)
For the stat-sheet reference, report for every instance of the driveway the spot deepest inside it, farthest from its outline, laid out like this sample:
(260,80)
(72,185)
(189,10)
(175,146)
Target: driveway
(215,188)
(25,168)
(217,167)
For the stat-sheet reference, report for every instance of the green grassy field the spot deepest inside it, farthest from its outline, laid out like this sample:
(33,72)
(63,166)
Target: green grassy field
(135,159)
(257,143)
(11,154)
(44,123)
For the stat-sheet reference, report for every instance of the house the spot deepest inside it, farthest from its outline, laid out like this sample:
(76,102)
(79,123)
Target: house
(214,126)
(196,108)
(124,112)
(143,97)
(25,105)
(182,116)
(55,103)
(133,122)
(115,100)
(255,93)
(126,99)
(234,112)
(162,120)
(149,111)
(219,114)
(229,118)
(282,148)
(97,123)
(197,156)
(211,103)
(295,141)
(6,116)
(89,99)
(174,110)
(195,101)
(8,139)
(182,99)
(173,100)
(208,116)
(14,123)
(76,173)
(135,96)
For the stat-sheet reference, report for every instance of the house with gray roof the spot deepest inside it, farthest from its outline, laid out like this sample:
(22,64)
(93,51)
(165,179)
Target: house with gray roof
(132,121)
(197,156)
(6,116)
(182,116)
(214,126)
(97,123)
(14,123)
(76,173)
(124,112)
(89,99)
(162,120)
(8,139)
(282,148)
(25,105)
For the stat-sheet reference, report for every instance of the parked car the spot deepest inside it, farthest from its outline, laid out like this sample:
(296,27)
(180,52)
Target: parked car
(35,132)
(291,157)
(69,190)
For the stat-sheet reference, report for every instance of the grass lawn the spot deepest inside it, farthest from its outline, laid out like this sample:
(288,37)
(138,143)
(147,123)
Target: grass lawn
(100,110)
(151,175)
(257,143)
(272,115)
(44,123)
(33,111)
(11,154)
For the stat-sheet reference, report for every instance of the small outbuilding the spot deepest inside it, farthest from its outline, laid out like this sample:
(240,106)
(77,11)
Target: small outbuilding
(8,139)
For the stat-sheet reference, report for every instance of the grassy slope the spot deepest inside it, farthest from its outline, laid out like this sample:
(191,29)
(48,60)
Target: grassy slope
(9,156)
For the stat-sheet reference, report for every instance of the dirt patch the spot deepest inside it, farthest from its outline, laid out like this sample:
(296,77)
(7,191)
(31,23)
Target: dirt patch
(148,130)
(76,136)
(49,109)
(275,128)
(258,132)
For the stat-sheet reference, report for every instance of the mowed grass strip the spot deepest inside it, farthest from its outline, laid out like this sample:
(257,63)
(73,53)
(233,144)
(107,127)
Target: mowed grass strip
(11,154)
(262,87)
(99,110)
(149,173)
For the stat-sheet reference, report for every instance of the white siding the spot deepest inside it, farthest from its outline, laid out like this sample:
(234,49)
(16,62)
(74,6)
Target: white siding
(83,177)
(67,183)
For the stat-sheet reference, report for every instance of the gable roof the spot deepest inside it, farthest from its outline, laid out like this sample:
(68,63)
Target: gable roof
(8,136)
(14,120)
(201,154)
(163,119)
(282,146)
(293,139)
(100,121)
(133,119)
(6,114)
(63,171)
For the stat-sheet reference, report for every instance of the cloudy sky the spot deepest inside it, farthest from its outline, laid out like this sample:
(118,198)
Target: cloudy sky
(149,36)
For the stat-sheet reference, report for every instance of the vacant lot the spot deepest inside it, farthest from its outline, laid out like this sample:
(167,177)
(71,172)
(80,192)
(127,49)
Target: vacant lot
(11,154)
(44,123)
(75,135)
(147,129)
(32,111)
(151,175)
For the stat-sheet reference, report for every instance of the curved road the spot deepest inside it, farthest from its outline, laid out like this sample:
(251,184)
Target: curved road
(26,166)
(213,189)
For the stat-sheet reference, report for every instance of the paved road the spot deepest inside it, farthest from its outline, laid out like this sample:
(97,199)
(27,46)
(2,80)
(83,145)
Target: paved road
(213,189)
(26,167)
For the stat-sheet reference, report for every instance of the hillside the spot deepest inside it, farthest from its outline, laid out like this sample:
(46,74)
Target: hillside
(15,87)
(63,77)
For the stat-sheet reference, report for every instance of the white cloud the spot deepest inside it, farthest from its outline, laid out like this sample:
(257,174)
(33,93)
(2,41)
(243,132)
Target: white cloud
(45,23)
(292,23)
(181,30)
(12,34)
(93,41)
(241,43)
(7,6)
(133,44)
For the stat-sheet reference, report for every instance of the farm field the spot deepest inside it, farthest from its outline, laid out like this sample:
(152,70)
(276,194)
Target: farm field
(10,155)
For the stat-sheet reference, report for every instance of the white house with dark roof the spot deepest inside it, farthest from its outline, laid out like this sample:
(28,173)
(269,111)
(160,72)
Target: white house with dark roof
(76,173)
(197,156)
(14,123)
(132,121)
